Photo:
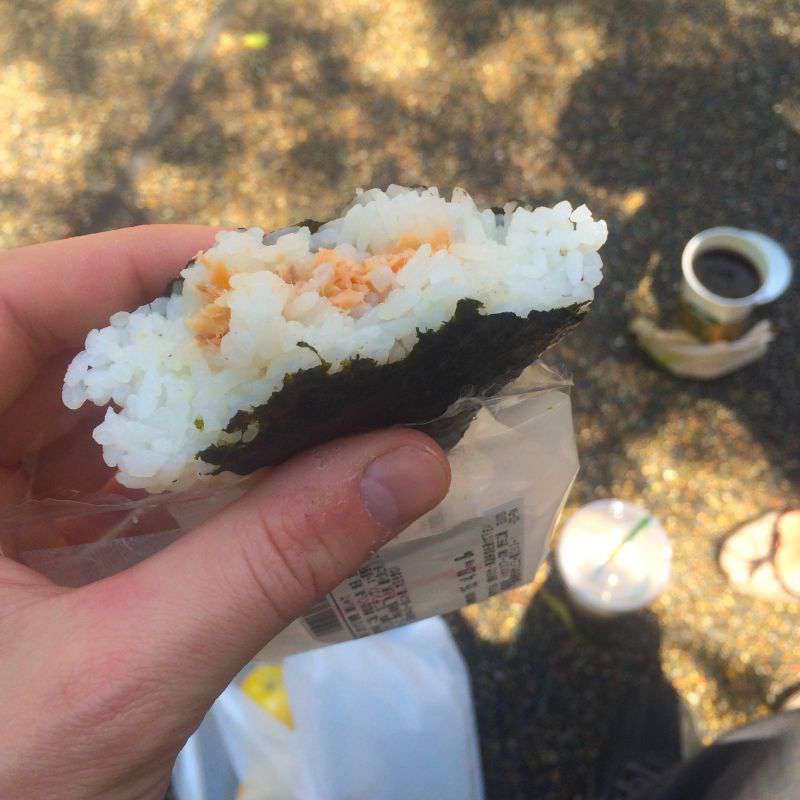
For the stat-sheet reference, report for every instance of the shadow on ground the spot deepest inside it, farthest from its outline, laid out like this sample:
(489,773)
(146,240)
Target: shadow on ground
(692,107)
(709,145)
(576,708)
(571,703)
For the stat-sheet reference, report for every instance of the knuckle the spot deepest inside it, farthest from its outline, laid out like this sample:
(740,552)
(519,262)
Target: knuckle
(109,679)
(107,689)
(281,553)
(100,704)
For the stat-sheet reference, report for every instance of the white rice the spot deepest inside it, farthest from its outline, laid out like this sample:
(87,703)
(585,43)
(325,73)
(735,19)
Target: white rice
(176,394)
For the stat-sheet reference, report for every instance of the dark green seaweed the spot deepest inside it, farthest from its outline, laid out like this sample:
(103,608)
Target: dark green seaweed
(472,355)
(175,286)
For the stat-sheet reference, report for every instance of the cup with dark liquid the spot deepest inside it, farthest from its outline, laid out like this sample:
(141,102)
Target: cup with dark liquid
(727,272)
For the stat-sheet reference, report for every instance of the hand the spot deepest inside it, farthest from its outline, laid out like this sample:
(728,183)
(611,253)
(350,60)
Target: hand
(101,686)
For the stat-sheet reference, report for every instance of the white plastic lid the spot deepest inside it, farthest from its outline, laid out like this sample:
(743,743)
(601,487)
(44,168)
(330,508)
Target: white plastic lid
(635,577)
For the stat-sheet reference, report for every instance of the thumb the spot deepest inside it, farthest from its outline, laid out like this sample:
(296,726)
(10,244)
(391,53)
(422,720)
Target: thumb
(211,600)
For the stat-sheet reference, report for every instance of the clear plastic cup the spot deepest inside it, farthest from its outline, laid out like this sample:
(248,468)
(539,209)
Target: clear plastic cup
(634,578)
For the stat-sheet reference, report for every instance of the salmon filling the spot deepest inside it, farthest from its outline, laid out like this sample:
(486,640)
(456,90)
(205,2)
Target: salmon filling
(351,283)
(211,322)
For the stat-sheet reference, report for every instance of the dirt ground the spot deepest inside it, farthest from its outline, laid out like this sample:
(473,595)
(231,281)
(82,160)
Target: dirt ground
(665,116)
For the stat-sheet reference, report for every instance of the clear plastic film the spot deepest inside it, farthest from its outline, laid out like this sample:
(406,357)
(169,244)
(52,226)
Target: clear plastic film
(511,473)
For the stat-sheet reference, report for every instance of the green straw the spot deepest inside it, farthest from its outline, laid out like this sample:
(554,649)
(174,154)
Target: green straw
(639,526)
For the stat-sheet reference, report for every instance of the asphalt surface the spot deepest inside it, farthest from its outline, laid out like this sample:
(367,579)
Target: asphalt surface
(666,117)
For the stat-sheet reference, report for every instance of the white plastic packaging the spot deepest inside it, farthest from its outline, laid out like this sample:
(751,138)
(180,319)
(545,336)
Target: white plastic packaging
(512,471)
(386,718)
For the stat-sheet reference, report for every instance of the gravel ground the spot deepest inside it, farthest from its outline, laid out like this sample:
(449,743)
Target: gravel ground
(665,116)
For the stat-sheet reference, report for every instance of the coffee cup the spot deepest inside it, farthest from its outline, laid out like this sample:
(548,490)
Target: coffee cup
(727,272)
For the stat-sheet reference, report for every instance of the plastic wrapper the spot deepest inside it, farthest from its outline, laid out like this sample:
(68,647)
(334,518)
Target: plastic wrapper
(385,718)
(512,470)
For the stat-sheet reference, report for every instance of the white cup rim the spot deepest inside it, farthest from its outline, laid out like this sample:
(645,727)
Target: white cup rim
(766,255)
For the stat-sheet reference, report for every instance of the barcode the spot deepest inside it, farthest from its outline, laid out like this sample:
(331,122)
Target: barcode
(322,619)
(375,599)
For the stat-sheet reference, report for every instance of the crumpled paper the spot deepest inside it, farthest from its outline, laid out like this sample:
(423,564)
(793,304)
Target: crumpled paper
(748,560)
(688,357)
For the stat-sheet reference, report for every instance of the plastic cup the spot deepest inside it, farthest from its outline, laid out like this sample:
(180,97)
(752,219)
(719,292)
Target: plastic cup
(633,579)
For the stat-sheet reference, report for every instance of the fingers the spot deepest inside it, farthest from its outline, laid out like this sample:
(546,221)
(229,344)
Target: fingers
(71,466)
(14,486)
(38,417)
(61,455)
(210,601)
(52,294)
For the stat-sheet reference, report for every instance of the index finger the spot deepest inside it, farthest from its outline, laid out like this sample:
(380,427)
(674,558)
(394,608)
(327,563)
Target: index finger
(52,294)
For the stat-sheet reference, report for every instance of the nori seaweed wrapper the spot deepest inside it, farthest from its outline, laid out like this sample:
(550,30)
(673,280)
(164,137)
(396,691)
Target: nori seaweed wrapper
(473,355)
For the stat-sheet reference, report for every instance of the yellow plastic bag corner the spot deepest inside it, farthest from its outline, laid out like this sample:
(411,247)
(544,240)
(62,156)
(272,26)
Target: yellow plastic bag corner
(264,684)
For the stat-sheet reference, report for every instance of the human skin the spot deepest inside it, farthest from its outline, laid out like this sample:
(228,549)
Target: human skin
(101,686)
